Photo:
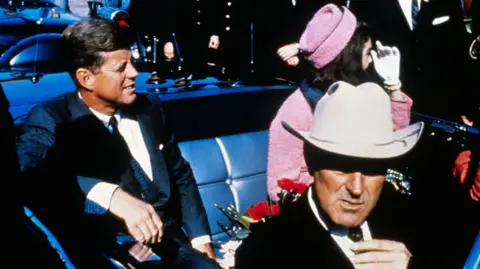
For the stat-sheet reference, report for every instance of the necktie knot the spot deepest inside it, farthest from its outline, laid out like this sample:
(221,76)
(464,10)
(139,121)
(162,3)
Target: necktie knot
(113,124)
(355,234)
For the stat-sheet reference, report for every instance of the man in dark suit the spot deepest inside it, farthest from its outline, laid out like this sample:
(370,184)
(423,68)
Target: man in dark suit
(103,161)
(349,218)
(434,45)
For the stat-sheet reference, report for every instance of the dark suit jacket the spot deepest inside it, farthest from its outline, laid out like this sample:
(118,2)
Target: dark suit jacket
(433,57)
(62,140)
(295,239)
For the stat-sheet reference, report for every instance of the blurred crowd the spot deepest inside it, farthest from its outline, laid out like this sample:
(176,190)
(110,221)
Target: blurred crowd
(243,38)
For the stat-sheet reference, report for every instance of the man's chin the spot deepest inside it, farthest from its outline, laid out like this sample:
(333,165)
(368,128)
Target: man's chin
(349,220)
(128,100)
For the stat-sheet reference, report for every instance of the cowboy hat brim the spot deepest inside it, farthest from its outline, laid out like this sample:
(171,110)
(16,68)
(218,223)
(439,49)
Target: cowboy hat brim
(403,141)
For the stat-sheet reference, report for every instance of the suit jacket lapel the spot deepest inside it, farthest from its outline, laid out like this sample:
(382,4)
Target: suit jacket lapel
(83,120)
(152,137)
(314,233)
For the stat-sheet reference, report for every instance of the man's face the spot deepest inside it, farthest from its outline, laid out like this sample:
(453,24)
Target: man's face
(114,82)
(366,56)
(347,197)
(168,51)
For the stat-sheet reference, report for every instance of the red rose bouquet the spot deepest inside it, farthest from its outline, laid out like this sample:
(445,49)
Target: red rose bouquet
(260,212)
(264,210)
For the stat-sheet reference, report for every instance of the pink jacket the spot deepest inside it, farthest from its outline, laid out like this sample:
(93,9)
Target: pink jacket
(285,151)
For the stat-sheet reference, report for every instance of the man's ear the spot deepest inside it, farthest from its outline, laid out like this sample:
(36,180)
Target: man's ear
(85,78)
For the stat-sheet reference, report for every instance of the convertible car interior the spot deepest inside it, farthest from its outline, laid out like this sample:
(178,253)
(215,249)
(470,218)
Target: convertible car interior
(222,130)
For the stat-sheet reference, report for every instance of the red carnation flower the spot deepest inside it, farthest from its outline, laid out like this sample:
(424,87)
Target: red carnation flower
(275,208)
(286,184)
(300,188)
(259,211)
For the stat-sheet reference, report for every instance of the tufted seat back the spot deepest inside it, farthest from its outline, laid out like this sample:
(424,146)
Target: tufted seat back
(229,170)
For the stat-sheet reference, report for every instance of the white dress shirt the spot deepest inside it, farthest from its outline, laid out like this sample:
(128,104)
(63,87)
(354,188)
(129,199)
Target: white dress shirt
(338,234)
(99,193)
(406,6)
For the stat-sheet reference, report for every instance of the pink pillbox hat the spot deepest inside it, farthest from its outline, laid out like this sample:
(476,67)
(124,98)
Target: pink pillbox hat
(327,34)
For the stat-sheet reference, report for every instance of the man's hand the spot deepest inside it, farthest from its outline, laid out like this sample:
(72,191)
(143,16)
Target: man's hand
(466,121)
(214,42)
(288,51)
(141,220)
(207,249)
(380,254)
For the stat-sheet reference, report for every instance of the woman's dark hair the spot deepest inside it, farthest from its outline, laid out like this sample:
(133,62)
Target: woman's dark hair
(347,66)
(84,42)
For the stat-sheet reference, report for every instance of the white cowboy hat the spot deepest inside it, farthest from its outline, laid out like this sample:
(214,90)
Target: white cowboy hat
(357,122)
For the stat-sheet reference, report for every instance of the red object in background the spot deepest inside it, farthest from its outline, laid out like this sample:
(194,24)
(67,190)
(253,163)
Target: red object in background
(460,171)
(121,18)
(123,23)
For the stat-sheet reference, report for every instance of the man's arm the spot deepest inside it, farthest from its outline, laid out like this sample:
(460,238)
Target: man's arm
(194,217)
(35,147)
(36,141)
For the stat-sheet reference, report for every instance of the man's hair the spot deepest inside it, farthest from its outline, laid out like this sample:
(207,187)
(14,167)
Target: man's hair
(347,66)
(84,42)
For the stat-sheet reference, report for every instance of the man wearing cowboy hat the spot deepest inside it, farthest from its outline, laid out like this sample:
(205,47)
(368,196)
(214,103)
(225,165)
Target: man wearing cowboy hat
(348,218)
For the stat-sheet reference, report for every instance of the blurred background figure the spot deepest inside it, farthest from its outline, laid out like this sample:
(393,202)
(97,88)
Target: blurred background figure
(77,7)
(237,24)
(192,27)
(432,39)
(283,48)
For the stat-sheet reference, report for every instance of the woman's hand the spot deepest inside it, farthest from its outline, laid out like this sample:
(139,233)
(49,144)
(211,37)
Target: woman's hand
(288,51)
(386,61)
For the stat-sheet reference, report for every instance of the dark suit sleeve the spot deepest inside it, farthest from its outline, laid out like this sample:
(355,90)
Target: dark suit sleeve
(36,140)
(194,217)
(41,161)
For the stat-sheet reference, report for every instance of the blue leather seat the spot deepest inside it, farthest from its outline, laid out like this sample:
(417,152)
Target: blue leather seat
(229,170)
(473,260)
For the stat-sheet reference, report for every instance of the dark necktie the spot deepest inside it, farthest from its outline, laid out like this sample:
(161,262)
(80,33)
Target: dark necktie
(355,234)
(149,190)
(415,10)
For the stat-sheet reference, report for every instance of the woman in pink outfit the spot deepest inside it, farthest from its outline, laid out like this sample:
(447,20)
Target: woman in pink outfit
(338,48)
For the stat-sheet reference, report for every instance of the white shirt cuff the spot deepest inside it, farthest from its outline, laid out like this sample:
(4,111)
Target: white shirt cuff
(99,194)
(201,240)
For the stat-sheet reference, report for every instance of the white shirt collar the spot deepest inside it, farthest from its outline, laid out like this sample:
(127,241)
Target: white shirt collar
(340,235)
(103,117)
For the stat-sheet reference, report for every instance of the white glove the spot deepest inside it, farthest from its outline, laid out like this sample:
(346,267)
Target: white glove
(387,63)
